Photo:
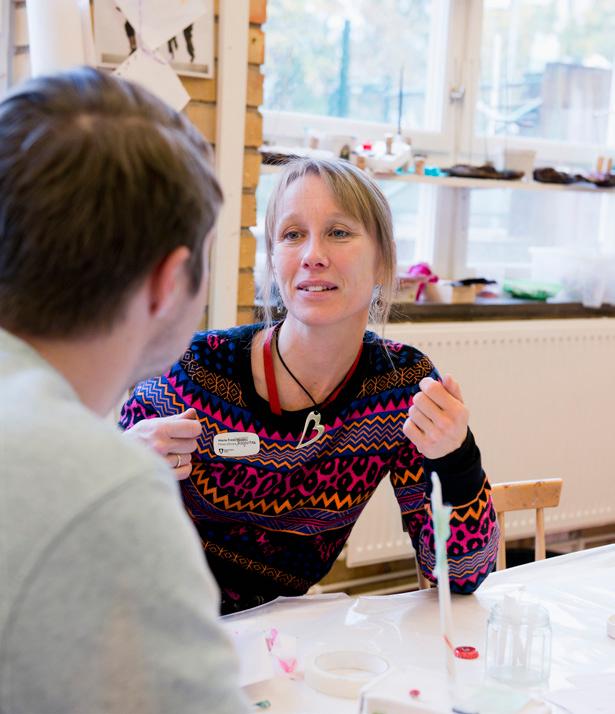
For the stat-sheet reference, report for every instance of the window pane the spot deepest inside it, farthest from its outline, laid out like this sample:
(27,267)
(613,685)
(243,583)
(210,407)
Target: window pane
(505,224)
(346,58)
(546,69)
(404,201)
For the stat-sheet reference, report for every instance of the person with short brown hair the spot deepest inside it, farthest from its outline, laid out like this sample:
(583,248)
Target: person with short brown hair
(99,183)
(108,202)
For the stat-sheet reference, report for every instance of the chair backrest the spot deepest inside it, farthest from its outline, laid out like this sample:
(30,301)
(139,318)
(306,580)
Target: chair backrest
(518,496)
(523,496)
(424,584)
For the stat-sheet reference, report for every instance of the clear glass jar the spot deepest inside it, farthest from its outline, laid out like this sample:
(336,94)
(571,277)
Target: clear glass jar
(518,648)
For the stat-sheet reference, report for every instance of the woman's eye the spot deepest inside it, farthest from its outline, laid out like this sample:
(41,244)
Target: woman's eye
(291,235)
(339,233)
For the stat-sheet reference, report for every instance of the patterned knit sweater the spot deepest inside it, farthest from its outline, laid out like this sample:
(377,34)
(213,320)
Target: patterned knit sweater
(273,523)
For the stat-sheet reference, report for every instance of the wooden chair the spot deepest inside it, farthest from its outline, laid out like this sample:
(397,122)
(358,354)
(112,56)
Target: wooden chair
(523,496)
(424,584)
(518,496)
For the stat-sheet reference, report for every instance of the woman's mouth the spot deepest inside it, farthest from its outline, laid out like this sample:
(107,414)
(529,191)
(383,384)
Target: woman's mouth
(316,287)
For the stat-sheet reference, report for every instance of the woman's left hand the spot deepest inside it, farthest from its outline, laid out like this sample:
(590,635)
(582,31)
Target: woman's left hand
(437,422)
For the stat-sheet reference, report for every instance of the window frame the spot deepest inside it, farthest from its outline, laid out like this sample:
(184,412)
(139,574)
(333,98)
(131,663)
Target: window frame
(283,127)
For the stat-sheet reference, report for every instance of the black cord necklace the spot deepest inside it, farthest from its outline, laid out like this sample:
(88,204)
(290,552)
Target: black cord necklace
(312,422)
(287,368)
(334,392)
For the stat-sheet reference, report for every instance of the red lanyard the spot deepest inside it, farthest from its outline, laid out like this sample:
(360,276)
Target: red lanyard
(272,387)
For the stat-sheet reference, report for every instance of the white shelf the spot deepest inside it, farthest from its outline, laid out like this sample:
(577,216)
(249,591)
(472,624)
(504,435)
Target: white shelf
(454,182)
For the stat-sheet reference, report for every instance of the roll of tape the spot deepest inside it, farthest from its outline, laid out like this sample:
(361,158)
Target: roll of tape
(610,626)
(344,673)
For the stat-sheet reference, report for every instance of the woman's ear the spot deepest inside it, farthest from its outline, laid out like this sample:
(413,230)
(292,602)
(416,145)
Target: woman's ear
(168,282)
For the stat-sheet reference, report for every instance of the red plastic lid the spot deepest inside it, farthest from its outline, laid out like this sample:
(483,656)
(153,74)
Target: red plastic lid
(466,652)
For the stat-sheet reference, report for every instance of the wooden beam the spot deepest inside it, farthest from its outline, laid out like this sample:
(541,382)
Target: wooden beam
(256,46)
(206,90)
(230,131)
(258,11)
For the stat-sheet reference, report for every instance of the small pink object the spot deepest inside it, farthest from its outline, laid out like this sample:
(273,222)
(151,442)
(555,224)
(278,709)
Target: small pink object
(422,270)
(288,665)
(273,636)
(419,269)
(414,693)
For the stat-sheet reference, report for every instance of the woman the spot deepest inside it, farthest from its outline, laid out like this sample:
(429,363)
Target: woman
(302,419)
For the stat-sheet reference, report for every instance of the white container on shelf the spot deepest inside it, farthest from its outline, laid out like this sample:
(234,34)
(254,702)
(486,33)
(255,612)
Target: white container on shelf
(516,160)
(447,292)
(520,160)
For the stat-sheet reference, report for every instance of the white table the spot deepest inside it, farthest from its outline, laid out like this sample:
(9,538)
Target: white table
(577,589)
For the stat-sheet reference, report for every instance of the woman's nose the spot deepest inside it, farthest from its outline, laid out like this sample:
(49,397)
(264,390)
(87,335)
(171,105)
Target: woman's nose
(315,253)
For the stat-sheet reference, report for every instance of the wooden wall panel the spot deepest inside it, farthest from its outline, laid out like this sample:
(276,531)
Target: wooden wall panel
(202,112)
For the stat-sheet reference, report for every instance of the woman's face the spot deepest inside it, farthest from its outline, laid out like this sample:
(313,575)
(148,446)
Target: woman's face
(326,263)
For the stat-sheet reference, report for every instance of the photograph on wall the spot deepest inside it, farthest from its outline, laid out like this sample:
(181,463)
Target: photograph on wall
(190,52)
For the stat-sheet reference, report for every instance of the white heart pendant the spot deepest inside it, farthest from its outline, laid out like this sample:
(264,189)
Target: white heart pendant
(316,426)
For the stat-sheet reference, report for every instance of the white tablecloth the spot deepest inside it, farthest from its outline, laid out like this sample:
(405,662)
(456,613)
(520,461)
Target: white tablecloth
(577,589)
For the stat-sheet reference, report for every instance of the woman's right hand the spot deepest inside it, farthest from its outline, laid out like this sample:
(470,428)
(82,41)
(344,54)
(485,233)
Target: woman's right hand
(173,437)
(437,422)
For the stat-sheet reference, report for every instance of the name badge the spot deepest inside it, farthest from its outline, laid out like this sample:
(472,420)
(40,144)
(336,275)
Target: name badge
(237,443)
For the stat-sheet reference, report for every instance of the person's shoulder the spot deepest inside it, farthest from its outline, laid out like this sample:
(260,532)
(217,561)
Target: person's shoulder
(72,462)
(133,544)
(221,342)
(222,352)
(387,355)
(95,451)
(217,339)
(75,460)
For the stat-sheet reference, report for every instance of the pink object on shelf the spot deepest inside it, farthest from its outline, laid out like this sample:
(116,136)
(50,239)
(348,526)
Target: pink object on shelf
(422,270)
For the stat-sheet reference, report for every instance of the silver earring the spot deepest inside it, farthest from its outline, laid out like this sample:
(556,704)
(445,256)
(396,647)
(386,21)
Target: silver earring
(377,294)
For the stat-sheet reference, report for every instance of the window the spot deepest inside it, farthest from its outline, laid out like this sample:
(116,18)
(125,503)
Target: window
(355,67)
(546,70)
(472,78)
(339,58)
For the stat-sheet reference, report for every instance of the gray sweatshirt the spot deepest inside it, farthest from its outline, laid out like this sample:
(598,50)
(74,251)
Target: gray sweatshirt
(106,602)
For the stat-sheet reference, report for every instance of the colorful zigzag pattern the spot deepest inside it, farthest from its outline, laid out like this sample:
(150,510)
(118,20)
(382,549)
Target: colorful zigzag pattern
(273,523)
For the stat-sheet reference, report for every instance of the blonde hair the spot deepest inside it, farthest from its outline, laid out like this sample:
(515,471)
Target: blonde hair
(360,197)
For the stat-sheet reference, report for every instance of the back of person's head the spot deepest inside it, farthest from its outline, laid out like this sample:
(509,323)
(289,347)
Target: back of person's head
(99,182)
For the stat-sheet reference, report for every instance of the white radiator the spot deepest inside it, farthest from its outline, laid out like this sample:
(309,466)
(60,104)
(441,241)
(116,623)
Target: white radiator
(542,399)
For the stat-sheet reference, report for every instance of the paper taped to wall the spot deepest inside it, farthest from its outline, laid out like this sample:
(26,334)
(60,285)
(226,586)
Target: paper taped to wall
(154,73)
(158,20)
